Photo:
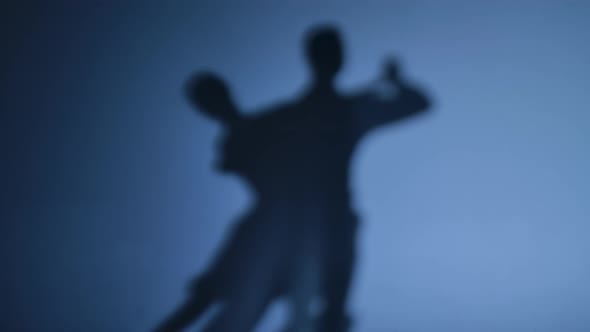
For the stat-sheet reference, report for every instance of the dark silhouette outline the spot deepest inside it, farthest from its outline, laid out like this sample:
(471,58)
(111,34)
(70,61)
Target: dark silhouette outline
(298,240)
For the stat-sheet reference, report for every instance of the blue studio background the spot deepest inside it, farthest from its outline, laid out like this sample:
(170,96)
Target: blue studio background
(107,178)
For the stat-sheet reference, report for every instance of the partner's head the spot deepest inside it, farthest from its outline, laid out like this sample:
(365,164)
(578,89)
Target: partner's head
(211,96)
(324,51)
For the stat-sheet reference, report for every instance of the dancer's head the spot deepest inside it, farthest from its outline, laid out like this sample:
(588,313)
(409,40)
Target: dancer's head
(211,96)
(324,51)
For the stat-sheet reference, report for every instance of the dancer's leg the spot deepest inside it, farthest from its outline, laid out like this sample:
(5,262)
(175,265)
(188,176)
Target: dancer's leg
(252,292)
(304,289)
(188,313)
(338,271)
(241,313)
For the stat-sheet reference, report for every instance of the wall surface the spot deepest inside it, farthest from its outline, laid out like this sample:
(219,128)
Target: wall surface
(107,178)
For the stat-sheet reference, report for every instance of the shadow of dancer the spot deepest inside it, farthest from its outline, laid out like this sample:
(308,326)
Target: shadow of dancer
(254,265)
(298,240)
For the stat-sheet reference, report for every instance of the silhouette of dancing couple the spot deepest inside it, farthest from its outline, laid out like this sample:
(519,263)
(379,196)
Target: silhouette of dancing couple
(297,241)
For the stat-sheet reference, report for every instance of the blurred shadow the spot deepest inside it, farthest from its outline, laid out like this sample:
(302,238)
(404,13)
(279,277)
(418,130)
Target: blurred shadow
(297,241)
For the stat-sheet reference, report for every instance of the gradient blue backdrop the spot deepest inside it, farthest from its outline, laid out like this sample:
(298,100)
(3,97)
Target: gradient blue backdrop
(107,177)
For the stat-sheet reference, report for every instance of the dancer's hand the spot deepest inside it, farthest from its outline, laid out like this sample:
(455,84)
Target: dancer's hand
(391,71)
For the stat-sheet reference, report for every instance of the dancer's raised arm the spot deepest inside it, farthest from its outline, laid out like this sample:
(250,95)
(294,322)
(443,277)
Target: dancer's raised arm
(372,111)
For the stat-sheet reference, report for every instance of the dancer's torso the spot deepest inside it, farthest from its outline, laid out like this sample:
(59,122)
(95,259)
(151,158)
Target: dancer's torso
(297,158)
